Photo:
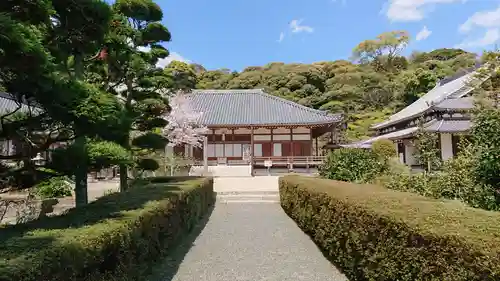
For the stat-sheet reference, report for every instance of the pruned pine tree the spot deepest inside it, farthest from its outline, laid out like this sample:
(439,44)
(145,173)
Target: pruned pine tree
(129,70)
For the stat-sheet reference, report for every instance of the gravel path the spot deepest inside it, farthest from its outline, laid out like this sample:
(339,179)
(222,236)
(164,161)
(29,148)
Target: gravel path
(250,242)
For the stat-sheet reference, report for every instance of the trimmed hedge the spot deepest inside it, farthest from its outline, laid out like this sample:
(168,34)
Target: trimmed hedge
(373,233)
(116,232)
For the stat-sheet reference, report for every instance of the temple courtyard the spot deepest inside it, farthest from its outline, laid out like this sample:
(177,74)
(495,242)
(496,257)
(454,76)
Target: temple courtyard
(247,237)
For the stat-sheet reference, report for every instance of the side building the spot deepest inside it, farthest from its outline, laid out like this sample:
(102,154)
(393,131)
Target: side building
(16,145)
(444,110)
(246,123)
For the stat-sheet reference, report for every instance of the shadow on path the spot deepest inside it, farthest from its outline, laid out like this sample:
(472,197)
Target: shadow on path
(166,269)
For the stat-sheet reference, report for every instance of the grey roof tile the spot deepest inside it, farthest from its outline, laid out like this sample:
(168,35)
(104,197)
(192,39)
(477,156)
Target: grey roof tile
(8,104)
(253,107)
(458,104)
(450,126)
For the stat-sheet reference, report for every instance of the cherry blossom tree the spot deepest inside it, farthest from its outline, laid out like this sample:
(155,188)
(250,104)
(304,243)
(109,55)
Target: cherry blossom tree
(183,122)
(183,127)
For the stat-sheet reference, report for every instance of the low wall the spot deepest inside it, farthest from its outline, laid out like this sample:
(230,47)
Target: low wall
(223,171)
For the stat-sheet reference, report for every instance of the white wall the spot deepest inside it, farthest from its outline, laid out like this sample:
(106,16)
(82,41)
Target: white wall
(223,171)
(410,157)
(446,147)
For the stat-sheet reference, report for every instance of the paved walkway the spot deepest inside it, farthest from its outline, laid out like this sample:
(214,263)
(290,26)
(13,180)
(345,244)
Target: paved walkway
(246,184)
(247,242)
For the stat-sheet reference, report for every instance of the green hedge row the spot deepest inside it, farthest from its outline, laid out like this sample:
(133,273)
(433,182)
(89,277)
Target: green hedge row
(116,232)
(373,233)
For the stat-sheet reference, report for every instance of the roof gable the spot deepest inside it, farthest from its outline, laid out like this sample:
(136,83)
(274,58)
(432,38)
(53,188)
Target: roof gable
(253,107)
(454,89)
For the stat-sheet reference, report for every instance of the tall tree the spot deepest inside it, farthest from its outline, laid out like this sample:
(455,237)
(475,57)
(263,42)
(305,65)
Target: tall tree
(133,48)
(44,48)
(77,33)
(182,75)
(384,52)
(486,127)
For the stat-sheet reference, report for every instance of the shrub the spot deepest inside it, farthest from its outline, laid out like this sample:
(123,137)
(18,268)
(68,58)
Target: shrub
(456,180)
(384,149)
(111,234)
(347,164)
(373,233)
(55,187)
(148,164)
(420,183)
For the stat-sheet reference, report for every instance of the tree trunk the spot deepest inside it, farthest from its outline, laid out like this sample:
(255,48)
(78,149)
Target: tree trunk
(124,169)
(81,195)
(126,141)
(123,178)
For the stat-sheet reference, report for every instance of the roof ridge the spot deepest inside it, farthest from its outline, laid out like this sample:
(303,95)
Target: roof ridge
(220,91)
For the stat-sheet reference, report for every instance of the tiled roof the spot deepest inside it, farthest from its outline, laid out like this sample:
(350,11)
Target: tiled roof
(8,104)
(441,126)
(457,104)
(253,107)
(450,126)
(454,89)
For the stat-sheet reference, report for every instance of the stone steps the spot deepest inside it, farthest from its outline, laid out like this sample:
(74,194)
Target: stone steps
(248,197)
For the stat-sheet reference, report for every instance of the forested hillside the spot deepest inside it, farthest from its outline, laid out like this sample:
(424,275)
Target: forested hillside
(376,81)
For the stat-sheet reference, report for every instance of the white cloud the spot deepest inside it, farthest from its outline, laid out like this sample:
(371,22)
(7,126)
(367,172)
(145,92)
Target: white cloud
(423,34)
(485,19)
(282,36)
(491,36)
(173,56)
(143,49)
(296,27)
(411,10)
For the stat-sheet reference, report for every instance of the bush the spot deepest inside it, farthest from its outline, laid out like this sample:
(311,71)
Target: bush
(486,139)
(373,233)
(114,233)
(456,180)
(384,149)
(348,164)
(148,164)
(54,188)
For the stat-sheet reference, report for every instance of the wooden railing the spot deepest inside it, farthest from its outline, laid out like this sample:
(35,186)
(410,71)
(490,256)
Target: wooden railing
(290,161)
(280,161)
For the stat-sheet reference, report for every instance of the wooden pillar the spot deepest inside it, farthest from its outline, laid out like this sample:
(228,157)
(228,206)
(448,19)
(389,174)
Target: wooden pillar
(251,152)
(205,155)
(292,149)
(317,150)
(311,142)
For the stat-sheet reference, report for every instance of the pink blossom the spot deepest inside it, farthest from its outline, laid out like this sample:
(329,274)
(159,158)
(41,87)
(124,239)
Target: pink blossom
(183,122)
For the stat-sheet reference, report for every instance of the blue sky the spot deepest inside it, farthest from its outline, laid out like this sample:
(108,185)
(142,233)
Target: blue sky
(235,34)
